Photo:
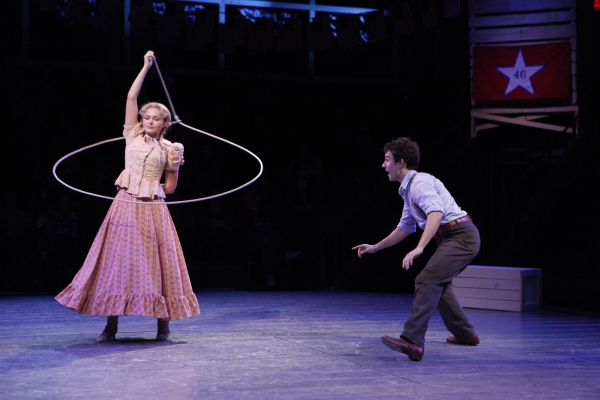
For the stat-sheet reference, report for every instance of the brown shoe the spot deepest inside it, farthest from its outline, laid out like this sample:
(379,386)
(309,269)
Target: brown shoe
(472,340)
(413,351)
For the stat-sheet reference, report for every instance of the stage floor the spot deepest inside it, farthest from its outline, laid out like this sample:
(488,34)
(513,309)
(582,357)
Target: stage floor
(293,345)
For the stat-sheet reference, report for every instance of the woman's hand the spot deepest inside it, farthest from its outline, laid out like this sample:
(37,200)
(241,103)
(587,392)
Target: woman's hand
(131,106)
(149,58)
(174,156)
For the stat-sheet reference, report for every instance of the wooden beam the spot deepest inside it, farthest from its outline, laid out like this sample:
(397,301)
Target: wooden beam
(485,126)
(520,121)
(572,108)
(482,127)
(544,18)
(514,6)
(530,33)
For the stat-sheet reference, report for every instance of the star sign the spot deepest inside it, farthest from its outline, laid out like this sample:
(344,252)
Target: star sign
(520,74)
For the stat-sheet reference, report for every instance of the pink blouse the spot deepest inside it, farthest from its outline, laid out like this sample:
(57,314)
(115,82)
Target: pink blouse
(145,160)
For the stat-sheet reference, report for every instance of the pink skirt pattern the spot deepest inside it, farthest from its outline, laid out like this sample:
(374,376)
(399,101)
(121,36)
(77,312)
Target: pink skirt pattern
(134,267)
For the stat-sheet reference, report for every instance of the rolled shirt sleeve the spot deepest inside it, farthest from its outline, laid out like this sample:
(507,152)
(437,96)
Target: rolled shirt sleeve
(428,195)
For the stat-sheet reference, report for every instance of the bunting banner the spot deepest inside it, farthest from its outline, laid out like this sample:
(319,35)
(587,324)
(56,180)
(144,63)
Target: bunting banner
(166,20)
(522,72)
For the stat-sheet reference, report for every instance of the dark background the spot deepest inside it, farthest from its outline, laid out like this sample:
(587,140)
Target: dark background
(532,193)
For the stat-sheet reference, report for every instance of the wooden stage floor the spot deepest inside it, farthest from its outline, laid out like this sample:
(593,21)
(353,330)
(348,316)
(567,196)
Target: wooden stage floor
(293,345)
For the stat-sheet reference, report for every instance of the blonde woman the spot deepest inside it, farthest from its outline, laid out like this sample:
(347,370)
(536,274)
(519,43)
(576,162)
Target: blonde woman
(136,265)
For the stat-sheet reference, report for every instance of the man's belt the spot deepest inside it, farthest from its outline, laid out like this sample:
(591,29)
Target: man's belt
(443,228)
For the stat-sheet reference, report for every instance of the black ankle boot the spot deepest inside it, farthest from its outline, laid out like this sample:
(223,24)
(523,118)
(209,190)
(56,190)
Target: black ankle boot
(162,332)
(110,330)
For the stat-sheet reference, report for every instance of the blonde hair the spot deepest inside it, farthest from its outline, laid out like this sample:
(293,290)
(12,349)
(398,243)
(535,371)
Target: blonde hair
(164,111)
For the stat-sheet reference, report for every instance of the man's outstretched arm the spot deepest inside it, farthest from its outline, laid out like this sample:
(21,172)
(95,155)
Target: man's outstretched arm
(393,238)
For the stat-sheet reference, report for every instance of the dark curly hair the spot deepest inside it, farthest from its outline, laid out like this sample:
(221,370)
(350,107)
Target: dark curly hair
(404,149)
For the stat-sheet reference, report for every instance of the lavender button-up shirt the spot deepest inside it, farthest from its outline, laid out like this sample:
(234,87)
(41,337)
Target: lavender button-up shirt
(428,194)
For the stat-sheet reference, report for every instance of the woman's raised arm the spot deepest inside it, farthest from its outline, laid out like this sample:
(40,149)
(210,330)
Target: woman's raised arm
(131,106)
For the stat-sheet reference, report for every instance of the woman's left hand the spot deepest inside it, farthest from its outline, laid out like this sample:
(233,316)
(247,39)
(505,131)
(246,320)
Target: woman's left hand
(174,156)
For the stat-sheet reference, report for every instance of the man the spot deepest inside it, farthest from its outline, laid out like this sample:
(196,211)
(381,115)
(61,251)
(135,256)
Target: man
(429,204)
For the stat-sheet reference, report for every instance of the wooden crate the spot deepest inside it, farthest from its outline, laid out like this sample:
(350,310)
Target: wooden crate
(499,288)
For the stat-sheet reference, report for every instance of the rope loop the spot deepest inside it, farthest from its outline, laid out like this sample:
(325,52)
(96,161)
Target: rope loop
(175,121)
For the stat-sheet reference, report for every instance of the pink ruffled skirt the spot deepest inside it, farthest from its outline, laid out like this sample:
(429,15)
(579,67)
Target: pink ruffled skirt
(134,267)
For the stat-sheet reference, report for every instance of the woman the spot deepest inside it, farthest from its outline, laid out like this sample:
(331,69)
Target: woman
(135,265)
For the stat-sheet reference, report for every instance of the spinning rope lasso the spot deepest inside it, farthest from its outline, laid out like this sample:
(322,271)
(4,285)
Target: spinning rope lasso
(176,121)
